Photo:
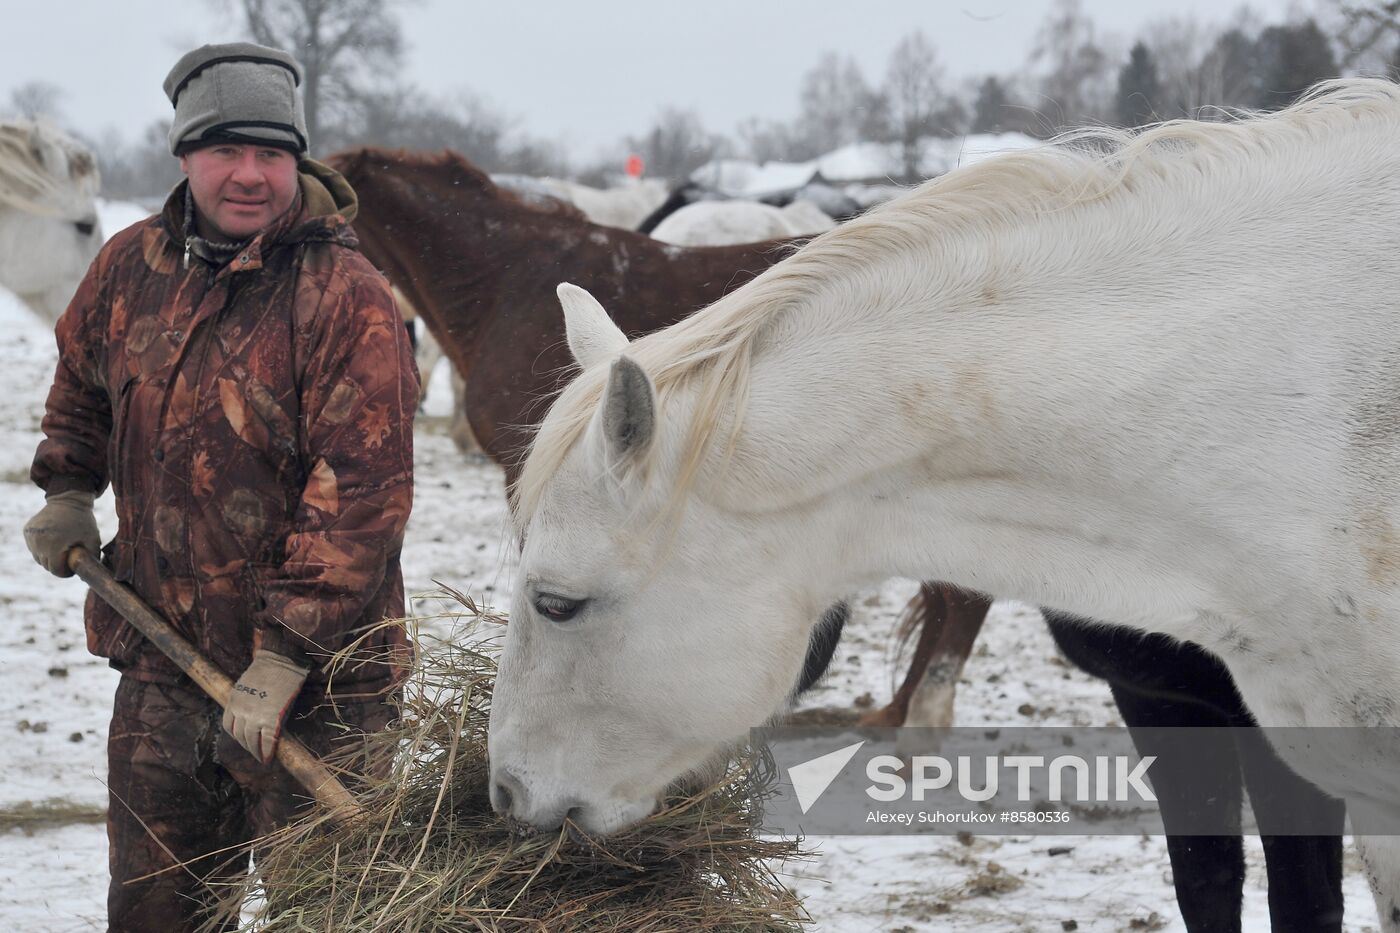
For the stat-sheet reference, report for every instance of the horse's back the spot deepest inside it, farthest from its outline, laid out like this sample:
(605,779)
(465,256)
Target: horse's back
(722,223)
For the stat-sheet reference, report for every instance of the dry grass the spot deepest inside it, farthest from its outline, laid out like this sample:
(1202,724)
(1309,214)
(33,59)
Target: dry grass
(432,856)
(30,815)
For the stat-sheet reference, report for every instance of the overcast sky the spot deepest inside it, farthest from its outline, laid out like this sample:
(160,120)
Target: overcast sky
(586,73)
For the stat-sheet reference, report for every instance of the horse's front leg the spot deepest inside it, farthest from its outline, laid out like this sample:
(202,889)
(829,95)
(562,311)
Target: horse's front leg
(1305,871)
(1197,781)
(1381,857)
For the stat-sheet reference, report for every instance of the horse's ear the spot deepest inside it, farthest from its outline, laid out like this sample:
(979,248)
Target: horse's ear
(629,410)
(593,337)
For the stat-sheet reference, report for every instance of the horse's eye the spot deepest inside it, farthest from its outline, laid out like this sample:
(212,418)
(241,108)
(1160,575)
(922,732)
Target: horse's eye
(557,608)
(85,227)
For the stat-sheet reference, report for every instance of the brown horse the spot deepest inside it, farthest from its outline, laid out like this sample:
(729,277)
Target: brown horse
(481,266)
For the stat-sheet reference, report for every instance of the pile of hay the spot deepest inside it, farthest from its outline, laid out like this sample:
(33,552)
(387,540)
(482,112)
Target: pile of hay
(431,856)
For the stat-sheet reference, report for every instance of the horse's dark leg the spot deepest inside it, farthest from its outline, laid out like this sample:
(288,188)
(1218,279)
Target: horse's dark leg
(1305,872)
(949,620)
(1196,778)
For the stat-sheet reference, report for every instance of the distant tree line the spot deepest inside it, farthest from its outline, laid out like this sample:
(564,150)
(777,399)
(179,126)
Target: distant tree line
(1177,67)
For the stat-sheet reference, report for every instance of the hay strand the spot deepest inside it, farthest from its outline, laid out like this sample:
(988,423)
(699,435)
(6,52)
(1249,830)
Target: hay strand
(431,856)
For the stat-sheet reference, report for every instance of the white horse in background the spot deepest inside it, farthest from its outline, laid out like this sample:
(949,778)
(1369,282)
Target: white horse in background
(721,223)
(49,229)
(624,206)
(1151,379)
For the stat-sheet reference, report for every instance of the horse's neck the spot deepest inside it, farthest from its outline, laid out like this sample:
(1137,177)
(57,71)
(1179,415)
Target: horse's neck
(1036,434)
(452,253)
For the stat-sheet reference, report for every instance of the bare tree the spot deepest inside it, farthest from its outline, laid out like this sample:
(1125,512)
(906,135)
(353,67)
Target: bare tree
(838,105)
(405,118)
(350,50)
(37,99)
(772,140)
(676,145)
(1229,73)
(1368,34)
(141,171)
(1076,83)
(1179,45)
(918,103)
(1205,70)
(410,119)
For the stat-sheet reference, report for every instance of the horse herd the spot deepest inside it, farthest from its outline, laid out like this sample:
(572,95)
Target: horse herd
(482,275)
(1109,379)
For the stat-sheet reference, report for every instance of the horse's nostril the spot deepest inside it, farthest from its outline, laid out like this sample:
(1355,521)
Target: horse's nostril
(506,792)
(500,797)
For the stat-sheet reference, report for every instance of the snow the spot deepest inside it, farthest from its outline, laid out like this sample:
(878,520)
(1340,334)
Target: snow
(727,175)
(116,216)
(53,877)
(857,162)
(772,177)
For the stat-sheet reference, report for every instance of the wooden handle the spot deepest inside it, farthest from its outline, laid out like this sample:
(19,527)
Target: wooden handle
(299,762)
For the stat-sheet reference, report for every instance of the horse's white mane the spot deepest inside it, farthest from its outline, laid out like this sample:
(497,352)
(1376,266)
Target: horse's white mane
(713,350)
(44,172)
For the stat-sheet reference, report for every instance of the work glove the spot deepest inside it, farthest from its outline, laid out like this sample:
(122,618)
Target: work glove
(65,522)
(259,702)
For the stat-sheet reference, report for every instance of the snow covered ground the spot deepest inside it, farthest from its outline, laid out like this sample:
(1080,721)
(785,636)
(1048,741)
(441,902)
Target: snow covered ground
(55,699)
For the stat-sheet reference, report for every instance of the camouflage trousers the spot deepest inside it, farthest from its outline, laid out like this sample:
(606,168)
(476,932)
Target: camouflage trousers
(186,800)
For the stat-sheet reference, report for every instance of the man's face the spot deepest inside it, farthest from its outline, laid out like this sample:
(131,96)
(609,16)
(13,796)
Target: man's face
(240,189)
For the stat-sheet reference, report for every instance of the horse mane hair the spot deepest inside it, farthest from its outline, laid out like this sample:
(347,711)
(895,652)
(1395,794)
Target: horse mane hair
(712,350)
(30,182)
(352,161)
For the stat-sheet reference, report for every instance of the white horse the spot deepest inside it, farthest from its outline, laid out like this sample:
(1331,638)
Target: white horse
(49,230)
(624,206)
(1156,385)
(720,223)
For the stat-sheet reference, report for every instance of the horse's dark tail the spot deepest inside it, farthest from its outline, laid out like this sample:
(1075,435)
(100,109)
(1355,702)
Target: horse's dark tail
(822,645)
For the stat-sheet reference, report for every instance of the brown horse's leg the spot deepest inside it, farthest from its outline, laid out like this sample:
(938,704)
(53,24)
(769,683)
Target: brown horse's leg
(949,620)
(932,702)
(460,429)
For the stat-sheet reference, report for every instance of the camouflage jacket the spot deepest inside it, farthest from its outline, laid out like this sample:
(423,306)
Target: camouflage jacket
(255,422)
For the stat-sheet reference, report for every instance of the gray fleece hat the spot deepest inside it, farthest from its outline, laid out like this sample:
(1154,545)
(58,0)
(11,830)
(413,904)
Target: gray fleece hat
(237,92)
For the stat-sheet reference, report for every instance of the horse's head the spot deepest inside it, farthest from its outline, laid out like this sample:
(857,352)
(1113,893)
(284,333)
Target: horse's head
(422,180)
(49,228)
(622,674)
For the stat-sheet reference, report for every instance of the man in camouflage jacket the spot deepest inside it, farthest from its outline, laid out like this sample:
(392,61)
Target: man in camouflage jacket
(247,389)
